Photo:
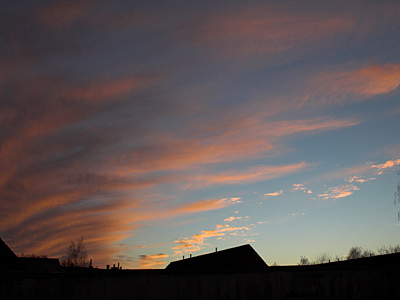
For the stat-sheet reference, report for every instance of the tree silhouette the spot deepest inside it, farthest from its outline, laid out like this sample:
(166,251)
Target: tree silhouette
(304,261)
(323,258)
(76,255)
(359,252)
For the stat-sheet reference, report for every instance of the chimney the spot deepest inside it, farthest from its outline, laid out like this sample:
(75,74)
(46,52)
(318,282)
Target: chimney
(190,255)
(216,249)
(183,257)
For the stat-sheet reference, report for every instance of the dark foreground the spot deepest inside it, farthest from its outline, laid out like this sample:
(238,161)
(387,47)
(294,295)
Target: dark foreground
(367,278)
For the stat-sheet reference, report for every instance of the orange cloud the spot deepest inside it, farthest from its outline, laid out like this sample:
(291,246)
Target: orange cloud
(240,138)
(274,194)
(339,192)
(64,15)
(100,91)
(387,165)
(197,241)
(337,87)
(249,175)
(206,205)
(268,29)
(154,260)
(230,219)
(359,179)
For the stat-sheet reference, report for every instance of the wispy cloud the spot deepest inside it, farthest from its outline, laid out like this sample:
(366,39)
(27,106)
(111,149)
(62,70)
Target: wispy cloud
(339,192)
(301,187)
(268,30)
(99,138)
(206,205)
(342,87)
(153,260)
(197,241)
(386,165)
(230,219)
(249,175)
(66,15)
(274,194)
(360,179)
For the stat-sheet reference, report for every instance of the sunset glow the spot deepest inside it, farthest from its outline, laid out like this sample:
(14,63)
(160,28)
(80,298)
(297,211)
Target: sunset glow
(160,129)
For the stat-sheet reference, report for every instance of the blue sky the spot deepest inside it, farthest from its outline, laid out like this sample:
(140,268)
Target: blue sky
(156,130)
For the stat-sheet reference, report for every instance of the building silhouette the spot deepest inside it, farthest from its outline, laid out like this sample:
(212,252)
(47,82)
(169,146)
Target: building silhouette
(237,273)
(238,259)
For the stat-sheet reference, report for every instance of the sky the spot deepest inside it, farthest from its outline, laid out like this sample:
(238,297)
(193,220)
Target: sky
(160,129)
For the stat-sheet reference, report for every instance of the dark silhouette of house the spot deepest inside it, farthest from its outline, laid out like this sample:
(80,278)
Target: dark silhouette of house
(40,264)
(8,259)
(238,259)
(10,262)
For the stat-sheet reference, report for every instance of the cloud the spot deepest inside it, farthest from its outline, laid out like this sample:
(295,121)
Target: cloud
(67,15)
(343,87)
(97,133)
(301,187)
(153,260)
(226,139)
(197,241)
(206,205)
(267,29)
(230,219)
(386,165)
(298,186)
(339,192)
(250,175)
(359,179)
(274,194)
(64,14)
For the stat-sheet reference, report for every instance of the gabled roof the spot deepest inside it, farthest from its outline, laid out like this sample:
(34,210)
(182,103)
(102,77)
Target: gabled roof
(40,264)
(8,260)
(239,259)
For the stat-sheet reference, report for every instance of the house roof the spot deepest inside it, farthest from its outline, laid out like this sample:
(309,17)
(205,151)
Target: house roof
(238,259)
(40,264)
(8,260)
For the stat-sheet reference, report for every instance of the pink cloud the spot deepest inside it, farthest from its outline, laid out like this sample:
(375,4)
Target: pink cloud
(230,219)
(99,91)
(197,241)
(153,260)
(206,205)
(359,84)
(360,179)
(249,175)
(65,15)
(386,165)
(268,29)
(339,192)
(239,138)
(274,194)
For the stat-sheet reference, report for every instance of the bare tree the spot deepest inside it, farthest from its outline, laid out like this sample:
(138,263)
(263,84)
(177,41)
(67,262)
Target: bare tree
(323,258)
(389,250)
(76,255)
(359,252)
(304,261)
(355,252)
